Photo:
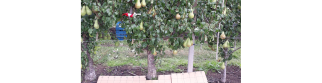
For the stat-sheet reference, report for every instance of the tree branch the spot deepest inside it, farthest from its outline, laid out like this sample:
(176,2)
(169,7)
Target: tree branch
(234,50)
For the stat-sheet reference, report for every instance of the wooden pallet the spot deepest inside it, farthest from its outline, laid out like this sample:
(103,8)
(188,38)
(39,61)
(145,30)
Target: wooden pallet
(193,77)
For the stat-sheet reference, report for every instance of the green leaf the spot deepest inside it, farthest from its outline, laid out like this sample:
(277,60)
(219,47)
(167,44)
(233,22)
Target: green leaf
(170,30)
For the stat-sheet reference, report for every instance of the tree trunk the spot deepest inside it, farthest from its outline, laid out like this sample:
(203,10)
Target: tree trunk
(151,66)
(217,45)
(90,73)
(191,48)
(191,52)
(223,79)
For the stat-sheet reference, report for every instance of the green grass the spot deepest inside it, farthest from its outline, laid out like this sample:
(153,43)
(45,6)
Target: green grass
(204,58)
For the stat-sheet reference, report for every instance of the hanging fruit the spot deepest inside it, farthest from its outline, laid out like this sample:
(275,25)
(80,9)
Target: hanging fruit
(137,4)
(191,15)
(177,16)
(141,26)
(222,66)
(205,38)
(226,44)
(108,36)
(175,52)
(83,13)
(81,40)
(223,36)
(88,11)
(96,26)
(154,52)
(80,64)
(188,42)
(143,3)
(154,13)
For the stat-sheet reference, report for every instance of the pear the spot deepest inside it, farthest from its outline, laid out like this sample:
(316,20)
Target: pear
(137,4)
(184,15)
(143,3)
(105,38)
(141,26)
(205,38)
(226,44)
(150,10)
(188,42)
(223,36)
(222,66)
(83,13)
(191,15)
(177,16)
(96,26)
(175,52)
(213,0)
(154,52)
(108,36)
(80,64)
(81,39)
(154,13)
(88,11)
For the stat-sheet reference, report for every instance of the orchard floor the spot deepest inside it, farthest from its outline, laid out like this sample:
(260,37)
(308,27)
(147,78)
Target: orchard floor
(233,73)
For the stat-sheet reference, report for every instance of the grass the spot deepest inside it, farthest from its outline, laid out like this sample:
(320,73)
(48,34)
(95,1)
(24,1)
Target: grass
(204,58)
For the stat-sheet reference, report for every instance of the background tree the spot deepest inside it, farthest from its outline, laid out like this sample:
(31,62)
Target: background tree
(159,20)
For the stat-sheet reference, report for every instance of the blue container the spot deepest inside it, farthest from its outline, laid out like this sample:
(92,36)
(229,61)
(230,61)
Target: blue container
(120,32)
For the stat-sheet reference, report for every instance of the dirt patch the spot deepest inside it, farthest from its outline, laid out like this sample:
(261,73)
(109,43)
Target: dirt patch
(233,73)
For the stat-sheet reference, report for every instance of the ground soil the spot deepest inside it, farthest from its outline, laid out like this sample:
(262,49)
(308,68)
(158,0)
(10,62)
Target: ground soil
(233,73)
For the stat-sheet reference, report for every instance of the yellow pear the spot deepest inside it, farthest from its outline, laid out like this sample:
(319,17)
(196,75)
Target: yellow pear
(177,16)
(154,52)
(96,26)
(222,66)
(188,42)
(175,52)
(137,4)
(88,11)
(143,3)
(223,36)
(83,13)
